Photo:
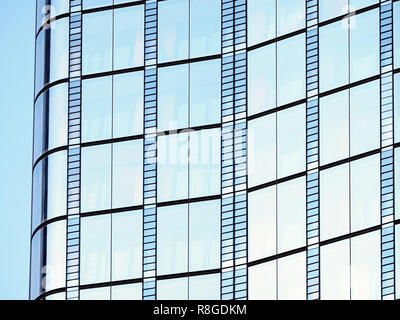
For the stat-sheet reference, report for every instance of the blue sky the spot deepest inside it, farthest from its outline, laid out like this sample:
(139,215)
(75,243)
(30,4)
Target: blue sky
(17,19)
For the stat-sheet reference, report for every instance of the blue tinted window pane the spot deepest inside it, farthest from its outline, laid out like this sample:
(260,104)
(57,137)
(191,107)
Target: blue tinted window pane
(290,15)
(365,192)
(173,97)
(334,202)
(35,268)
(204,235)
(396,33)
(128,37)
(95,249)
(262,281)
(358,4)
(127,245)
(172,289)
(291,214)
(261,20)
(40,62)
(172,239)
(366,267)
(262,223)
(205,92)
(205,163)
(96,108)
(128,104)
(205,287)
(262,150)
(89,4)
(397,258)
(364,117)
(102,293)
(48,9)
(132,291)
(292,277)
(329,9)
(291,69)
(127,180)
(205,27)
(96,178)
(334,126)
(262,79)
(59,49)
(172,170)
(397,182)
(335,271)
(173,30)
(397,107)
(364,45)
(334,55)
(97,42)
(291,137)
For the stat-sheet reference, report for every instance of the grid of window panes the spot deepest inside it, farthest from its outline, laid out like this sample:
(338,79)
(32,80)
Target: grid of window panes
(186,227)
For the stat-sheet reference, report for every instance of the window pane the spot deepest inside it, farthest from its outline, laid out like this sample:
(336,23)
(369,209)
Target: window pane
(290,15)
(335,203)
(365,192)
(127,180)
(128,37)
(204,235)
(95,294)
(48,9)
(172,170)
(173,97)
(172,289)
(397,259)
(97,42)
(89,4)
(127,245)
(205,27)
(291,214)
(291,141)
(364,46)
(358,4)
(397,183)
(292,277)
(334,54)
(366,267)
(96,108)
(262,281)
(329,9)
(335,271)
(56,297)
(396,94)
(364,117)
(128,104)
(173,30)
(205,287)
(131,291)
(95,249)
(334,126)
(40,62)
(262,223)
(291,69)
(261,20)
(59,49)
(96,178)
(205,92)
(262,150)
(172,240)
(396,33)
(205,163)
(262,79)
(36,288)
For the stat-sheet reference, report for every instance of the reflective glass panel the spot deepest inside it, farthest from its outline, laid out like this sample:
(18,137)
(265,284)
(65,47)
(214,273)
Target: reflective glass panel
(89,4)
(96,109)
(262,223)
(95,249)
(358,4)
(102,293)
(205,27)
(128,37)
(46,10)
(292,277)
(262,150)
(365,192)
(128,104)
(396,94)
(262,79)
(127,173)
(397,183)
(205,287)
(290,15)
(172,289)
(172,239)
(261,20)
(396,33)
(291,214)
(205,92)
(329,9)
(96,178)
(132,291)
(262,281)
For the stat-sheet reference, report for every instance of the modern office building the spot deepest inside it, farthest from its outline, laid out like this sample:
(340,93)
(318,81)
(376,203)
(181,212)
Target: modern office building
(216,149)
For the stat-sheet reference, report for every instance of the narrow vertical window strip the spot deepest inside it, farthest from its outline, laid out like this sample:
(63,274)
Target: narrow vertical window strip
(74,151)
(387,151)
(150,153)
(312,154)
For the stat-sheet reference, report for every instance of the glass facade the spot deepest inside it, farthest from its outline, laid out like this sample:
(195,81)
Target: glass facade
(216,149)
